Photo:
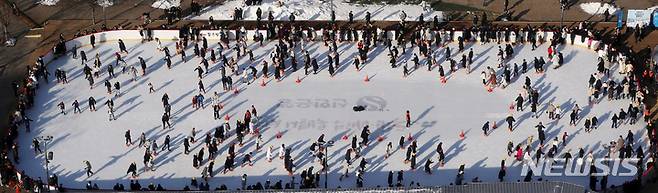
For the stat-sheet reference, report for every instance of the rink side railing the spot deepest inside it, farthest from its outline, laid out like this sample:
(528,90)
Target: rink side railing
(504,187)
(214,35)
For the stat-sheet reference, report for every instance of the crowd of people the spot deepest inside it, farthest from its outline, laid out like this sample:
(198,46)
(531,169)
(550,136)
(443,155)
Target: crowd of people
(291,45)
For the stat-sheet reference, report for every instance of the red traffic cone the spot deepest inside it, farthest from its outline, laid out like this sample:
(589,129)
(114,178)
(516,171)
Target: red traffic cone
(262,82)
(366,79)
(462,135)
(279,135)
(380,138)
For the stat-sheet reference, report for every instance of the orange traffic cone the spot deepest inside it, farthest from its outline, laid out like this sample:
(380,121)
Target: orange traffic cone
(298,80)
(262,82)
(279,135)
(462,135)
(367,79)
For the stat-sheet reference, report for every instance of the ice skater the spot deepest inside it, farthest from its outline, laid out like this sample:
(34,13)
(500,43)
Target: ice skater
(485,128)
(165,144)
(61,107)
(165,121)
(186,145)
(132,170)
(111,115)
(408,119)
(88,168)
(76,107)
(428,164)
(36,145)
(510,122)
(128,139)
(122,47)
(151,90)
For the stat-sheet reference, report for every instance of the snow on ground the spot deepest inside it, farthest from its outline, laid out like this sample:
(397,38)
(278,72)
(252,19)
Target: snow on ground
(652,8)
(317,10)
(48,2)
(301,112)
(594,8)
(165,4)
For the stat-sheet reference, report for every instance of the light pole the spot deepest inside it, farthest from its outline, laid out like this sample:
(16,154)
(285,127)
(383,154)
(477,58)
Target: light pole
(46,139)
(332,5)
(562,6)
(93,15)
(105,4)
(326,164)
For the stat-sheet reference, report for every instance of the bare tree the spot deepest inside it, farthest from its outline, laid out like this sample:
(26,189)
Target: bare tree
(22,16)
(5,13)
(93,3)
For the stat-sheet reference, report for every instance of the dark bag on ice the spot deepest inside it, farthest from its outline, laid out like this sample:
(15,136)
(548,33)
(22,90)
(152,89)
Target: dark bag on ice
(359,108)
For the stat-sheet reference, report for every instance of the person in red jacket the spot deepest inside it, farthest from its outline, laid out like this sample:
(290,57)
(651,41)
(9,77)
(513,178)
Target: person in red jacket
(408,118)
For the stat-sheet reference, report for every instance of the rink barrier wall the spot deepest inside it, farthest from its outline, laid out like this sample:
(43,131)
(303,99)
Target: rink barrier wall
(546,35)
(128,35)
(503,187)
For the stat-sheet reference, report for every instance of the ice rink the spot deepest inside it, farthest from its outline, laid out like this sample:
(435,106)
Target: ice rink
(301,112)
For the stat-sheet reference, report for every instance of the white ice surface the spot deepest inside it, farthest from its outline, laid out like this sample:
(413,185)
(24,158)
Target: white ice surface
(317,10)
(439,112)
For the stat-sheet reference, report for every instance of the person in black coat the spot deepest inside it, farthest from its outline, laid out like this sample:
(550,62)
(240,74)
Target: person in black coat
(122,46)
(92,40)
(428,169)
(314,64)
(365,133)
(400,177)
(390,179)
(348,156)
(413,161)
(132,169)
(165,121)
(502,172)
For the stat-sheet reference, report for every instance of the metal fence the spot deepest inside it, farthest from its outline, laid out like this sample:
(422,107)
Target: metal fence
(525,187)
(511,187)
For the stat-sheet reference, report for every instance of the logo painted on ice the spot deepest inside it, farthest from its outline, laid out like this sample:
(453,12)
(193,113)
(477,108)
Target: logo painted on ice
(372,103)
(580,167)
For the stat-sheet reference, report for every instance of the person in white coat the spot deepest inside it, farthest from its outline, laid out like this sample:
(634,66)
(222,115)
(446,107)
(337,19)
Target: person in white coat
(269,154)
(282,151)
